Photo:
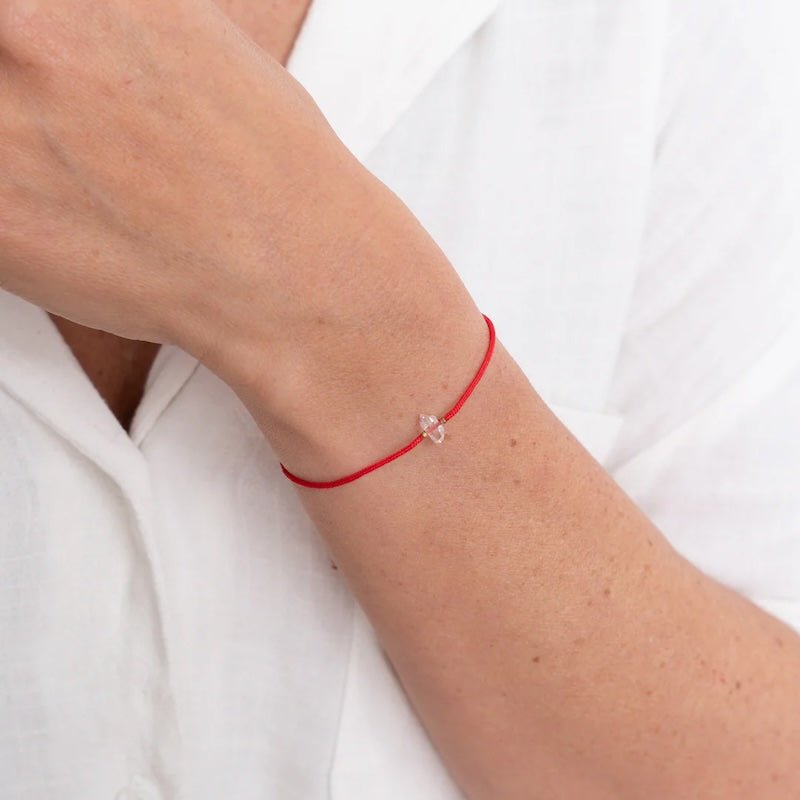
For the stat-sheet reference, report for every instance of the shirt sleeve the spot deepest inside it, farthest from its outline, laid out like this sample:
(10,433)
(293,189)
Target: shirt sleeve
(708,375)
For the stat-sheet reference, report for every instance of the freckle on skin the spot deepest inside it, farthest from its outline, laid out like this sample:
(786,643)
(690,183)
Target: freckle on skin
(535,659)
(513,442)
(779,641)
(606,591)
(445,387)
(738,684)
(650,542)
(579,641)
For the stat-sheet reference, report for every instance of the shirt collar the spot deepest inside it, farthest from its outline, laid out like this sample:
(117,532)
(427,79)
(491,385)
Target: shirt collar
(40,371)
(365,65)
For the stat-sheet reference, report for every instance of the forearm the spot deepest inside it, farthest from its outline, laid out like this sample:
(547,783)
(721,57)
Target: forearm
(551,640)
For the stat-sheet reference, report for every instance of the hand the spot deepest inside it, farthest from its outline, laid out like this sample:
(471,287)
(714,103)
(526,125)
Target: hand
(151,159)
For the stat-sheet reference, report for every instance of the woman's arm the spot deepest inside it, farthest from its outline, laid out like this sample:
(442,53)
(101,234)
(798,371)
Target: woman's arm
(552,641)
(174,185)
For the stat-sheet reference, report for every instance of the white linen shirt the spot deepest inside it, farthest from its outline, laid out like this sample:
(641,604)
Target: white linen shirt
(608,181)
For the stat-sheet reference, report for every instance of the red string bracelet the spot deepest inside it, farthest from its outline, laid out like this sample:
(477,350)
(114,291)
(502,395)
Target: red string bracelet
(432,428)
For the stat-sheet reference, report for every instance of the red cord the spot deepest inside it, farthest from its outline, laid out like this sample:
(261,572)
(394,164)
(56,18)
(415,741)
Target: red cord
(448,416)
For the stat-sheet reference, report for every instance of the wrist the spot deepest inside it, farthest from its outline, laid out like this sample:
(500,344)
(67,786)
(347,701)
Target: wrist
(345,406)
(385,332)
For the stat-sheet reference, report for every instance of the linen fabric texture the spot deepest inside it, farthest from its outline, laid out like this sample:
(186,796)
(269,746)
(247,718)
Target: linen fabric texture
(610,182)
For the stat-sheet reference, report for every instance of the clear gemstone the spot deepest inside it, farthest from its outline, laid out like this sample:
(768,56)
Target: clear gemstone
(432,427)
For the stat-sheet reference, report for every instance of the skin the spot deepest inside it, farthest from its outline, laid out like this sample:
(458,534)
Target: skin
(551,640)
(119,367)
